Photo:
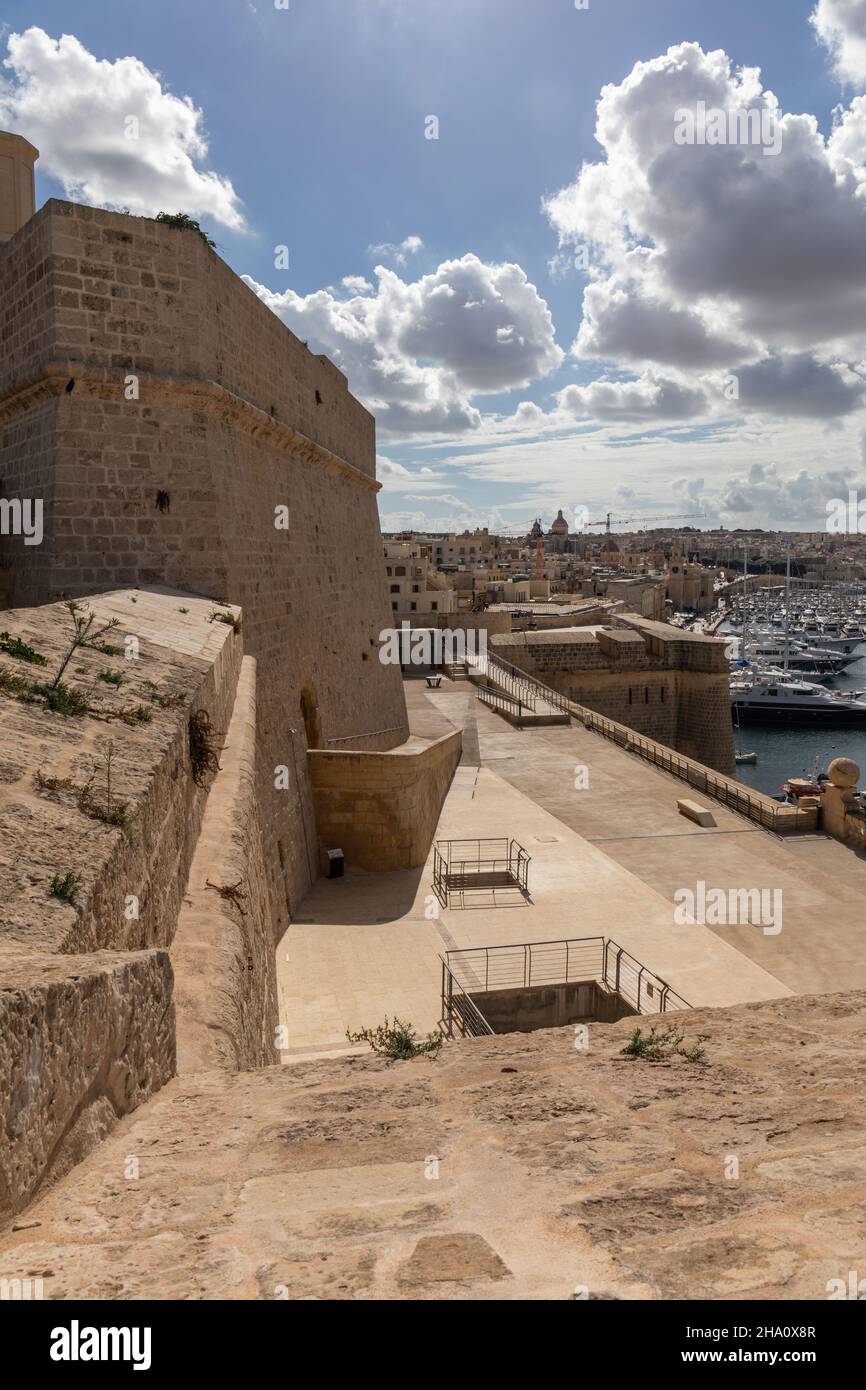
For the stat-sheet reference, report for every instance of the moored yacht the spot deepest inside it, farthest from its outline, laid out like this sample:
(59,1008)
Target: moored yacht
(763,699)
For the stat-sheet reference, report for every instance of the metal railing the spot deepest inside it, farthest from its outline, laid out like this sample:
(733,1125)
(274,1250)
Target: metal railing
(519,684)
(478,970)
(471,866)
(459,1011)
(511,706)
(763,810)
(755,806)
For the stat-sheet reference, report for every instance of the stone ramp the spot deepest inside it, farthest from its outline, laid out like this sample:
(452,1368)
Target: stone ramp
(511,1168)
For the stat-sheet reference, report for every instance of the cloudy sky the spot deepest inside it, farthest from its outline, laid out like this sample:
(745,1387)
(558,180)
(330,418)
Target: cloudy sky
(548,286)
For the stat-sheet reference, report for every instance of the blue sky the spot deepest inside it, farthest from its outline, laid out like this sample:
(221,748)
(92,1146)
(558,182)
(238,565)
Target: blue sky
(464,346)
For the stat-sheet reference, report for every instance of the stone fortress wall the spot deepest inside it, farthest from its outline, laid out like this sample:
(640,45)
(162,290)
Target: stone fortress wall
(234,418)
(661,682)
(101,988)
(167,419)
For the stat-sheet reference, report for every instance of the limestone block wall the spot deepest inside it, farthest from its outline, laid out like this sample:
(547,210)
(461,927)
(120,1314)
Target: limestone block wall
(48,759)
(83,1040)
(663,684)
(226,993)
(230,418)
(87,1012)
(381,809)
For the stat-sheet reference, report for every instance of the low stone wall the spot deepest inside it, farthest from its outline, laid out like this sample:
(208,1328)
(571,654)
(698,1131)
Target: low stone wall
(753,804)
(381,809)
(550,1006)
(132,874)
(841,813)
(225,982)
(83,1040)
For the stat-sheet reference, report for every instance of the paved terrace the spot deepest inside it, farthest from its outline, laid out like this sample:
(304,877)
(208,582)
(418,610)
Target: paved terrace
(368,945)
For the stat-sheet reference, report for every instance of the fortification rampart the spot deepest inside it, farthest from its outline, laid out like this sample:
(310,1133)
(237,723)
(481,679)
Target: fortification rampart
(102,798)
(664,684)
(381,809)
(178,433)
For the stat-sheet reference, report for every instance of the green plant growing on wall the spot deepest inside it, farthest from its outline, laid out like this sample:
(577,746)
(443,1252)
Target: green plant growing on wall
(395,1039)
(660,1047)
(22,651)
(184,223)
(66,888)
(114,678)
(111,812)
(62,699)
(83,636)
(14,685)
(140,715)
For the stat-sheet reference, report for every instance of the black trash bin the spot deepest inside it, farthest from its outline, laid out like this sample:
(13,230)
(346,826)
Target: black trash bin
(336,863)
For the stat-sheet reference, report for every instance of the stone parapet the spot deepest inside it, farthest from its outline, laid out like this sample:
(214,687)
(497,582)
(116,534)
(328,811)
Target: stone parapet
(381,809)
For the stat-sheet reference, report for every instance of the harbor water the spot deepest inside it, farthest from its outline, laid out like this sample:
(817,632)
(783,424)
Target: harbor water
(785,752)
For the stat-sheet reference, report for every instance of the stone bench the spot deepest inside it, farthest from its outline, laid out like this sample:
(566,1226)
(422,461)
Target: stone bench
(692,811)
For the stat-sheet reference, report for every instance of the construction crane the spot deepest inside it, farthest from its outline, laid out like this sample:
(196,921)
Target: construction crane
(641,520)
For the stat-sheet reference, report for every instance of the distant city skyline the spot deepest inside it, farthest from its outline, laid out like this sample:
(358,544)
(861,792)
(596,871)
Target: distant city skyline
(550,287)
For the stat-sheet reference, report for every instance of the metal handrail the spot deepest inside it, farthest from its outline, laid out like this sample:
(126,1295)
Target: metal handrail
(458,1007)
(729,793)
(757,808)
(509,704)
(462,866)
(506,674)
(522,965)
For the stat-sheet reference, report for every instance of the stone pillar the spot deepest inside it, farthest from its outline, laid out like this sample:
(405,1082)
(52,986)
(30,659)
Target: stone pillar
(17,193)
(839,799)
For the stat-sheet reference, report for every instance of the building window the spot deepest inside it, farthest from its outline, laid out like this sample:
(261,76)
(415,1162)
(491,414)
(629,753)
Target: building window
(401,569)
(433,606)
(413,607)
(395,588)
(629,694)
(646,695)
(394,606)
(416,588)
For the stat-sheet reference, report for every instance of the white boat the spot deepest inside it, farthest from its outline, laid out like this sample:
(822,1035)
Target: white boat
(763,699)
(806,660)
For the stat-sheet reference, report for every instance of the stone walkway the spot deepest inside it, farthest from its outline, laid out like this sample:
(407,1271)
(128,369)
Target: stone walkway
(368,945)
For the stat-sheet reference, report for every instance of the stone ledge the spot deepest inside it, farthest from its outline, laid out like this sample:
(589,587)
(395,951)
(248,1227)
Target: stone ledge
(83,1041)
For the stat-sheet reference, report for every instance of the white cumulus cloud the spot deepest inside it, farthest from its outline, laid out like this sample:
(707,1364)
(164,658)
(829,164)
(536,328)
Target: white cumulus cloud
(841,25)
(399,252)
(109,132)
(417,352)
(721,256)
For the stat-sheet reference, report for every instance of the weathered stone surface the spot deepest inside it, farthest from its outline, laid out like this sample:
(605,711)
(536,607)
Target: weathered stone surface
(450,1258)
(234,418)
(512,1167)
(83,1040)
(226,990)
(186,662)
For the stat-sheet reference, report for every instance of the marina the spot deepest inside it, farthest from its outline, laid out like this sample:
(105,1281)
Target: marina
(798,679)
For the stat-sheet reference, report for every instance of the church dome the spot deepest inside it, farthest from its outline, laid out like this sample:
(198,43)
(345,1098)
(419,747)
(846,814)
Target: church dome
(560,525)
